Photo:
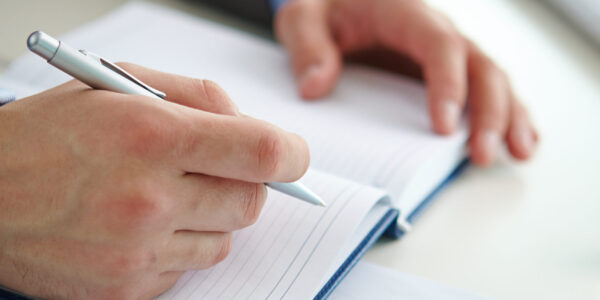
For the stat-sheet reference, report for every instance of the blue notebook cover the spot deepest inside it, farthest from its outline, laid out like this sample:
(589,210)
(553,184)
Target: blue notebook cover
(386,226)
(388,220)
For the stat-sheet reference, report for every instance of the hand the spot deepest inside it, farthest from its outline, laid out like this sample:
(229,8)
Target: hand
(317,33)
(112,196)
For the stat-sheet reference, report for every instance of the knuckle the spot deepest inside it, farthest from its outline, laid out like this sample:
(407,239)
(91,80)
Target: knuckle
(146,131)
(190,138)
(128,263)
(210,86)
(487,64)
(501,73)
(215,97)
(222,249)
(449,39)
(444,34)
(495,72)
(252,202)
(268,153)
(138,209)
(140,132)
(117,292)
(488,67)
(124,290)
(200,86)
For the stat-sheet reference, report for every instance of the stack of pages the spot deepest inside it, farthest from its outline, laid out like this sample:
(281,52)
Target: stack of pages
(375,160)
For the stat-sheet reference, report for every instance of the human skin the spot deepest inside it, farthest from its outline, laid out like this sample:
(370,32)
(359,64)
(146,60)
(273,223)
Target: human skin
(318,34)
(113,196)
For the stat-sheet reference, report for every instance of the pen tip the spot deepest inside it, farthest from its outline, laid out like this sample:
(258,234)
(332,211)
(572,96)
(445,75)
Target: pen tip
(322,203)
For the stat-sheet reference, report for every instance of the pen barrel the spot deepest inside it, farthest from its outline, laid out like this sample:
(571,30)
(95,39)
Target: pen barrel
(92,73)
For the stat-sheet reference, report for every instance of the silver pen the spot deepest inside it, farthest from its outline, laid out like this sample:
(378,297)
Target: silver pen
(99,73)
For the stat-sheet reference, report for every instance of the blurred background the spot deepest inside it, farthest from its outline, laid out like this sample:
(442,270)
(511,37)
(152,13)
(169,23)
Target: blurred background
(19,18)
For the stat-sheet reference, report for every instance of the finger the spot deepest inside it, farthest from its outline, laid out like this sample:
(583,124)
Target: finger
(445,74)
(242,148)
(194,141)
(489,103)
(196,93)
(434,43)
(301,26)
(522,137)
(165,281)
(207,203)
(192,250)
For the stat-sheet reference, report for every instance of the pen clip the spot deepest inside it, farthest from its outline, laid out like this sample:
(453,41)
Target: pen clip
(124,73)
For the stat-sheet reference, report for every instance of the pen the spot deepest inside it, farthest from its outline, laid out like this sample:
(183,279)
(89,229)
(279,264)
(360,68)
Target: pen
(99,73)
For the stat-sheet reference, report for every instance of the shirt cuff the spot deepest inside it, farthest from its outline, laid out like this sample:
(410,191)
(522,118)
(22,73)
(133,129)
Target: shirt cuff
(6,96)
(276,4)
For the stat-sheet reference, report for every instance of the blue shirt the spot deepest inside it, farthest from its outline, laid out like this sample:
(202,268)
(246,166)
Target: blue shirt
(275,4)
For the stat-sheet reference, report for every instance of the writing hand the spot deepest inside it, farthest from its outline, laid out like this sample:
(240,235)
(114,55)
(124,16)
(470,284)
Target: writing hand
(113,196)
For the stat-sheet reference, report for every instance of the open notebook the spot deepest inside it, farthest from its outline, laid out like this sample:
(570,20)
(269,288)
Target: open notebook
(374,158)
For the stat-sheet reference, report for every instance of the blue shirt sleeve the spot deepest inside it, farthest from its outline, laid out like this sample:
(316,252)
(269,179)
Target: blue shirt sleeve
(275,4)
(6,96)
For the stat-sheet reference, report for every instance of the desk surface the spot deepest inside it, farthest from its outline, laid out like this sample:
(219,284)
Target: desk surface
(514,231)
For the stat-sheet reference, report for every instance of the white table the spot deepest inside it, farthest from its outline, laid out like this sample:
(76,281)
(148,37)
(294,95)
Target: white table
(515,231)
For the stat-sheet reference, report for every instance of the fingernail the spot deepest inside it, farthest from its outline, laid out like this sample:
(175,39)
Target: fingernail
(307,77)
(489,141)
(450,114)
(524,137)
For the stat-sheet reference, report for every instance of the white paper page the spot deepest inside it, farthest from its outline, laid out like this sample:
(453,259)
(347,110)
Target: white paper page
(367,224)
(370,281)
(291,248)
(17,87)
(373,129)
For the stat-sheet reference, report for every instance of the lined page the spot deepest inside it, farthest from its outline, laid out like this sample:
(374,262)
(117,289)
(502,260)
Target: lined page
(290,250)
(373,129)
(19,88)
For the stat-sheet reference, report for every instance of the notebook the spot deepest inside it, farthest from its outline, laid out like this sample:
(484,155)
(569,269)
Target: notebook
(371,281)
(374,157)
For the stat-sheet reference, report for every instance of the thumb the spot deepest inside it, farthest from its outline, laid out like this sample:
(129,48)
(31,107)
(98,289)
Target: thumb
(302,27)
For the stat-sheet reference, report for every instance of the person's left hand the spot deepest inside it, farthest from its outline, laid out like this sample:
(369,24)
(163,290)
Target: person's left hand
(318,33)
